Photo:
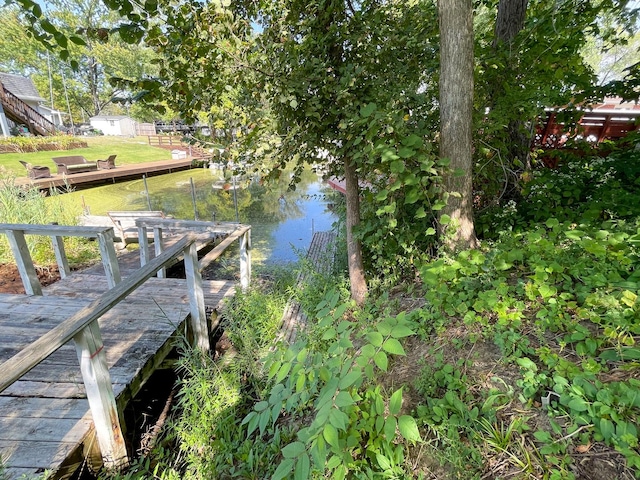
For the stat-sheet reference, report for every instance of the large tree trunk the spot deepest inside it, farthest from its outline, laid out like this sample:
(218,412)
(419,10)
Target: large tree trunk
(354,248)
(510,20)
(456,110)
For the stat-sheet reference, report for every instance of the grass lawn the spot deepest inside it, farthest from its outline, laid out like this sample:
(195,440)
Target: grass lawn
(129,150)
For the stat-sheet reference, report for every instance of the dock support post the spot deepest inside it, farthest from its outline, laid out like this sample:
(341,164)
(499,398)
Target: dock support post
(245,259)
(109,257)
(97,382)
(196,299)
(144,245)
(24,262)
(61,256)
(158,244)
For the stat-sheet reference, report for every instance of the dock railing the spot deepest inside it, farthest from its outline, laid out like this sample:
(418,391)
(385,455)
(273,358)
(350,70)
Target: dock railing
(16,236)
(84,329)
(231,232)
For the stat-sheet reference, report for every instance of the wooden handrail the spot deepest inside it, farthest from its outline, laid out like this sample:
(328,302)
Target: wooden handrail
(58,230)
(29,357)
(16,232)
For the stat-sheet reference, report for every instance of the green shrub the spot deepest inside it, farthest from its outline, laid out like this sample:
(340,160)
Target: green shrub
(40,144)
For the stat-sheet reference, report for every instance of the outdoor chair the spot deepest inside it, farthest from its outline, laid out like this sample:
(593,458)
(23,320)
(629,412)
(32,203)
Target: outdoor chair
(107,164)
(34,171)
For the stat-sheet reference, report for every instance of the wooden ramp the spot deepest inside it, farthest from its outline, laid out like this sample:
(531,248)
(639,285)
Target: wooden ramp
(320,256)
(45,419)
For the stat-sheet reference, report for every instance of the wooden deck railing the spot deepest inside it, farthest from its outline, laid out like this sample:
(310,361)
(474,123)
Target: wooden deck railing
(232,232)
(594,127)
(16,233)
(24,113)
(84,329)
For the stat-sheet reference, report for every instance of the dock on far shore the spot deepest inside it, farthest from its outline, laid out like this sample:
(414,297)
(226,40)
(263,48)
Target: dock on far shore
(121,172)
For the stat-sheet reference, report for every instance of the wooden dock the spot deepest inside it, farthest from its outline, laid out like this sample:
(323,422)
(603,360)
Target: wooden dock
(121,172)
(54,405)
(320,259)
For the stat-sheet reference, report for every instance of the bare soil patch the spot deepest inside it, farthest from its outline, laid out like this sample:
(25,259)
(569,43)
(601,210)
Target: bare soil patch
(10,281)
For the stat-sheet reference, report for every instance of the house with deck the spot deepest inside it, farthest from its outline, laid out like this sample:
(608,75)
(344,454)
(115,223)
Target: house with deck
(22,105)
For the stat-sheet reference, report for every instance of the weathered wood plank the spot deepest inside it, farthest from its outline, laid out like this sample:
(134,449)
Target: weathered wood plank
(30,356)
(56,230)
(44,429)
(102,401)
(24,262)
(21,454)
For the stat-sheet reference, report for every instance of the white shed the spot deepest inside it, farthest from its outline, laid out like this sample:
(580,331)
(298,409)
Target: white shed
(114,125)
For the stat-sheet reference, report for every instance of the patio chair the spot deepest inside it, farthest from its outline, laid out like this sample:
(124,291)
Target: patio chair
(107,164)
(34,171)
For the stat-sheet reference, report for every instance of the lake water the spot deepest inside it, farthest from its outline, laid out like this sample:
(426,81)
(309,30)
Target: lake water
(282,221)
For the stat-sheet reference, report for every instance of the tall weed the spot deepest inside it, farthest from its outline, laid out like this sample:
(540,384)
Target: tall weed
(28,205)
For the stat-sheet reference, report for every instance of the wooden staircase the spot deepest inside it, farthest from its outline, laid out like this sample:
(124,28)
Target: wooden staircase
(21,113)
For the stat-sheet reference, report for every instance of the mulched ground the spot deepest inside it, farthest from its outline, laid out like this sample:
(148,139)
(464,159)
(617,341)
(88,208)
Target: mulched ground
(10,281)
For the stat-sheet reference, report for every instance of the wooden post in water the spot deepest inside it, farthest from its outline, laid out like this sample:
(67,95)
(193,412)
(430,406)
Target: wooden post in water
(245,259)
(24,262)
(97,382)
(193,199)
(146,191)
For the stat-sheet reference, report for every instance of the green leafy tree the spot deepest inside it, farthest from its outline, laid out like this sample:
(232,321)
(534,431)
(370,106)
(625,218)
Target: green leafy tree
(529,57)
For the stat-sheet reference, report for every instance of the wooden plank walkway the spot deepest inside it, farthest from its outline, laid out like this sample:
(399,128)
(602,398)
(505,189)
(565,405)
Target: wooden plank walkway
(45,422)
(321,256)
(121,172)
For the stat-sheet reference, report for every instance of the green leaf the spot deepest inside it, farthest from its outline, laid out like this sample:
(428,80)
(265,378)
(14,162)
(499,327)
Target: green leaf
(303,468)
(338,419)
(368,109)
(375,338)
(527,363)
(344,399)
(406,152)
(607,429)
(445,219)
(408,428)
(260,406)
(283,470)
(349,379)
(330,434)
(430,231)
(421,213)
(578,404)
(574,234)
(390,425)
(383,461)
(397,166)
(283,372)
(393,346)
(552,222)
(400,331)
(395,402)
(293,450)
(381,361)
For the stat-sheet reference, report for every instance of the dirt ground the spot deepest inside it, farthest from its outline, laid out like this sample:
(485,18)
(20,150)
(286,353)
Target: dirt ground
(10,281)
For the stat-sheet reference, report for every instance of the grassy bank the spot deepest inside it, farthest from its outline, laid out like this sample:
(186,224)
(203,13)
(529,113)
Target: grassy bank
(515,360)
(128,150)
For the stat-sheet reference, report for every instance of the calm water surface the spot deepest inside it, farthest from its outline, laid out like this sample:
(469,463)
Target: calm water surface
(282,221)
